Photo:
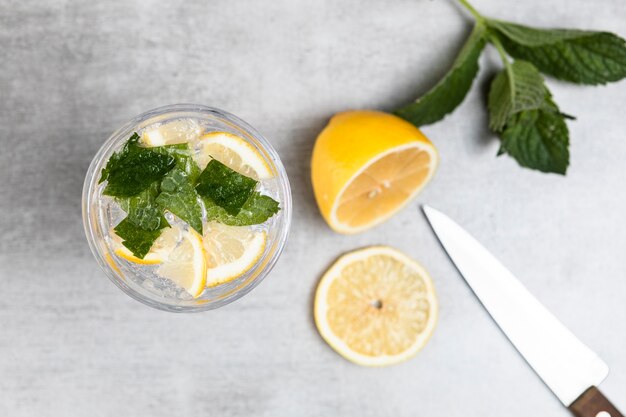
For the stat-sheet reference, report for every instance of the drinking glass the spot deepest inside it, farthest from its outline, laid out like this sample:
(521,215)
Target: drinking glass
(100,214)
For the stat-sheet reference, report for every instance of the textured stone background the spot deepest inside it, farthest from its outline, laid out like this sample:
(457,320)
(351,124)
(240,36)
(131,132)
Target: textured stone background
(72,344)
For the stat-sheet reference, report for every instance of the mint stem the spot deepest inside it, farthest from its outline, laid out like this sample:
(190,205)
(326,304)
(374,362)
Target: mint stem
(495,41)
(505,60)
(474,12)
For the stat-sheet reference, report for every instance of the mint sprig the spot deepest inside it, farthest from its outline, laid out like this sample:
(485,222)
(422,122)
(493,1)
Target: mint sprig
(146,182)
(521,110)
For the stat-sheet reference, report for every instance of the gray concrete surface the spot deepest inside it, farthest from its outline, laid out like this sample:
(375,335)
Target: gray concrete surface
(72,344)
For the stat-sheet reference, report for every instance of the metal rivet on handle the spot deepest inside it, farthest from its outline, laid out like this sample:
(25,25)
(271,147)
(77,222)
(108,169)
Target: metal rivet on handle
(603,414)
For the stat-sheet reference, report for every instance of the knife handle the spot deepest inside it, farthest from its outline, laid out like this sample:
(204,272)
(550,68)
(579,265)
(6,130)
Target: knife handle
(593,404)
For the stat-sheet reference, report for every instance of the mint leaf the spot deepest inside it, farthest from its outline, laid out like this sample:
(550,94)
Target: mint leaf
(137,240)
(114,160)
(179,197)
(225,187)
(257,209)
(444,97)
(535,133)
(133,169)
(184,161)
(135,172)
(519,87)
(583,57)
(538,139)
(143,210)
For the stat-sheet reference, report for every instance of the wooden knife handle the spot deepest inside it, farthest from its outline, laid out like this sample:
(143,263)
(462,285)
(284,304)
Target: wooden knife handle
(593,404)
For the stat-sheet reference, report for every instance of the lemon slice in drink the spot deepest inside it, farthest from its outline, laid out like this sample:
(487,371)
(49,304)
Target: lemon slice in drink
(179,254)
(366,166)
(376,306)
(231,251)
(185,264)
(149,259)
(158,252)
(234,152)
(172,133)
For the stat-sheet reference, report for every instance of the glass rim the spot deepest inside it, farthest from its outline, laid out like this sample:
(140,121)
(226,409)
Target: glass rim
(88,206)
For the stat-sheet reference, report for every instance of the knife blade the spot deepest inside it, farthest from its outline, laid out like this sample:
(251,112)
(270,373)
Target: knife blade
(566,365)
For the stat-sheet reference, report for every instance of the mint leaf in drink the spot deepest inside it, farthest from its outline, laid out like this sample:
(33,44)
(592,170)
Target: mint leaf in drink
(184,161)
(143,210)
(519,87)
(135,172)
(225,187)
(256,210)
(136,239)
(538,139)
(444,97)
(583,57)
(114,160)
(132,169)
(179,197)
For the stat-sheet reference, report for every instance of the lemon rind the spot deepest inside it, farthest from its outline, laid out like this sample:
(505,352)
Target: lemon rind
(242,267)
(128,256)
(248,153)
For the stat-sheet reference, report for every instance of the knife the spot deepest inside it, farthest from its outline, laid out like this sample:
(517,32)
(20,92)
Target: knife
(566,365)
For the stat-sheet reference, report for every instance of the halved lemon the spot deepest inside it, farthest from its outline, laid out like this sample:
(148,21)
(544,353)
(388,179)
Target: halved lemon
(376,306)
(185,264)
(171,133)
(366,166)
(234,152)
(231,251)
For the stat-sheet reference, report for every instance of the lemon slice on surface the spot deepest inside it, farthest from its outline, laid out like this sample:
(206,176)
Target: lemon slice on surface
(376,306)
(234,152)
(185,264)
(231,251)
(171,133)
(366,166)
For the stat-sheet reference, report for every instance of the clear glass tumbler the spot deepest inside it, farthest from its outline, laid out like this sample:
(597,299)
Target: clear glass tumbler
(99,218)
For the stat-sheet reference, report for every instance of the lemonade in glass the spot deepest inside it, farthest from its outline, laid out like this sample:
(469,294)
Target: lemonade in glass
(186,207)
